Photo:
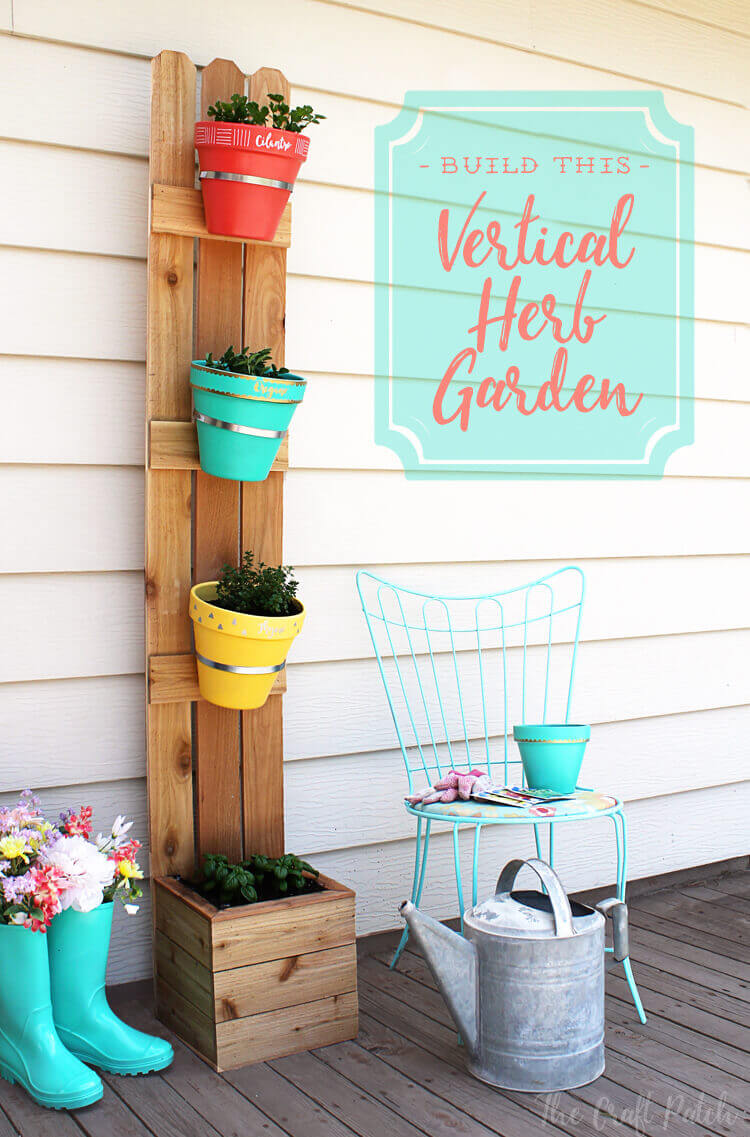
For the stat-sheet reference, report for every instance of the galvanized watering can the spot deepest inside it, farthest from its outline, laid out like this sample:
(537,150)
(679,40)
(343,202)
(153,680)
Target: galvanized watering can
(526,984)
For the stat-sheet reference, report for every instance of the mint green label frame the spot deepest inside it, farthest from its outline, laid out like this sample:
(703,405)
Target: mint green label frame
(577,155)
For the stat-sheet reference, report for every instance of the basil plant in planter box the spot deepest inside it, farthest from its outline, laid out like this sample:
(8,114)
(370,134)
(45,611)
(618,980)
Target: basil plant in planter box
(244,626)
(249,158)
(254,880)
(243,407)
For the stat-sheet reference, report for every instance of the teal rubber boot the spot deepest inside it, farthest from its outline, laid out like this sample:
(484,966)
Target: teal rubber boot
(78,950)
(31,1052)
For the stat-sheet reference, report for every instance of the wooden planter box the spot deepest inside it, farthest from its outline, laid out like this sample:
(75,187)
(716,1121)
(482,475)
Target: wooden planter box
(247,984)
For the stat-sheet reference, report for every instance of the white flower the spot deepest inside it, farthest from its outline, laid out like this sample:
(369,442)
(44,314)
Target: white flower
(88,871)
(116,837)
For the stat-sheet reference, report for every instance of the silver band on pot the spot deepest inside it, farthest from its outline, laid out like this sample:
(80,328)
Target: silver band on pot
(239,670)
(255,431)
(249,179)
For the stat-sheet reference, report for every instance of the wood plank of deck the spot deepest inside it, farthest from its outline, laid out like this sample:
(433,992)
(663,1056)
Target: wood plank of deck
(404,1075)
(626,1079)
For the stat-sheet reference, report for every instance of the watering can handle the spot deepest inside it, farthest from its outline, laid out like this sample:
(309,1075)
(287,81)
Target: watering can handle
(551,881)
(617,910)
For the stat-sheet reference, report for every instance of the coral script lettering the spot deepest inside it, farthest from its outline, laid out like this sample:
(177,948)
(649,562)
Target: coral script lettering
(500,318)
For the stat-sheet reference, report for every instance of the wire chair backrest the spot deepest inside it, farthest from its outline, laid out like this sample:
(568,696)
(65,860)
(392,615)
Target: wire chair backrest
(460,671)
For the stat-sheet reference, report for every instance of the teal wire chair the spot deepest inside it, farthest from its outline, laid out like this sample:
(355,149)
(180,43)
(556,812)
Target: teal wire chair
(454,669)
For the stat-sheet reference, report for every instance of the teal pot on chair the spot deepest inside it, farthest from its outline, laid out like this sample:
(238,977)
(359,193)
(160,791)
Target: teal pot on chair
(241,420)
(552,754)
(31,1050)
(78,950)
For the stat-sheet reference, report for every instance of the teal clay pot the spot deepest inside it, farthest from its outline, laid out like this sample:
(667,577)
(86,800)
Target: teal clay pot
(552,754)
(241,420)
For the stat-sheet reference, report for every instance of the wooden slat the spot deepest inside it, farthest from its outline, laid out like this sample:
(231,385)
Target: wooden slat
(262,531)
(186,1020)
(259,934)
(178,210)
(181,922)
(183,973)
(169,343)
(173,679)
(276,1033)
(243,991)
(216,529)
(174,446)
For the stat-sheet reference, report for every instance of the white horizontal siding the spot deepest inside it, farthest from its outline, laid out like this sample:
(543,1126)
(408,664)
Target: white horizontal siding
(97,308)
(64,625)
(73,732)
(630,758)
(639,42)
(721,13)
(90,413)
(410,521)
(615,680)
(662,669)
(80,520)
(86,412)
(55,194)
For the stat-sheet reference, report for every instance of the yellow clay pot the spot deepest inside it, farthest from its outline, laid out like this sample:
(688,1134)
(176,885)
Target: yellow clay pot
(238,656)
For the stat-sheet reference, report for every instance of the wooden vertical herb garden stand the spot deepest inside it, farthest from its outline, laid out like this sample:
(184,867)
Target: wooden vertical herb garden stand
(244,984)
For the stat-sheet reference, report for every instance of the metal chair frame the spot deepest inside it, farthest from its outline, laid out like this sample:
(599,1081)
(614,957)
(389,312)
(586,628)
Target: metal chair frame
(375,594)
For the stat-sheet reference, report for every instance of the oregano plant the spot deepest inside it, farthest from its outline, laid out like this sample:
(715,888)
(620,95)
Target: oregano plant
(257,590)
(247,362)
(241,109)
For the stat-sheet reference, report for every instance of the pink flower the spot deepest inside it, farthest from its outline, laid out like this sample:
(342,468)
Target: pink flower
(77,824)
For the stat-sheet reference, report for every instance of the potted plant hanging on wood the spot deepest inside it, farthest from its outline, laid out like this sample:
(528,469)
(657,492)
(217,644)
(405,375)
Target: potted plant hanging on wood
(243,407)
(244,625)
(248,166)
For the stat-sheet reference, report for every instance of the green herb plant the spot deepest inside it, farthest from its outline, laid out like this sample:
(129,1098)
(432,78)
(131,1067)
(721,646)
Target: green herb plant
(257,590)
(259,878)
(247,362)
(241,109)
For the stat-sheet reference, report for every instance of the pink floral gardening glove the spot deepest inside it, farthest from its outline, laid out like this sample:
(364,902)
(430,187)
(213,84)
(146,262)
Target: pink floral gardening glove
(455,784)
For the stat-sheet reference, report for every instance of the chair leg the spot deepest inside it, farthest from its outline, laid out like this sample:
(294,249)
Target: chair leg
(457,865)
(621,837)
(538,842)
(628,969)
(475,866)
(420,863)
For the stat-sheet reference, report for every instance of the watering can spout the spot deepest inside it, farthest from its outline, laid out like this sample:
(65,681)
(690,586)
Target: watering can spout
(453,963)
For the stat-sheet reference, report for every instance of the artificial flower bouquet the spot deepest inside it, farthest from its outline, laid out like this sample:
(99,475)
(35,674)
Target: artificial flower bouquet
(48,867)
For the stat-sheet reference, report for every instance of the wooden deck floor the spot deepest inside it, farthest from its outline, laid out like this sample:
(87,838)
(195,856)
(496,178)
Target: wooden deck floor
(686,1072)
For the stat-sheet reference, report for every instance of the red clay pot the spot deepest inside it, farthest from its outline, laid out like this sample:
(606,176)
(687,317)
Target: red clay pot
(259,167)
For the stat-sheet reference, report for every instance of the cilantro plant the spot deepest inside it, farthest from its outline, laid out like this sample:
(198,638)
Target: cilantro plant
(247,363)
(257,590)
(241,109)
(258,878)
